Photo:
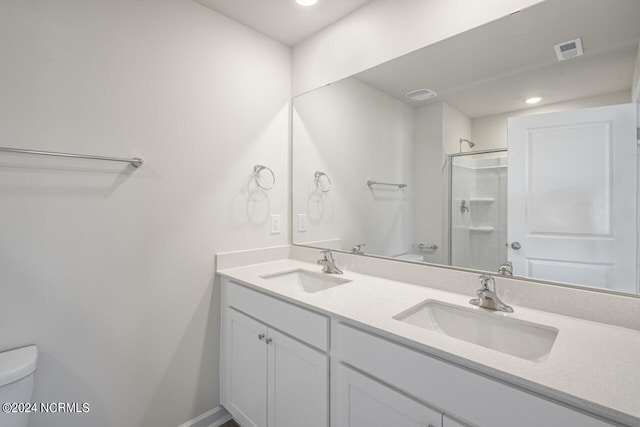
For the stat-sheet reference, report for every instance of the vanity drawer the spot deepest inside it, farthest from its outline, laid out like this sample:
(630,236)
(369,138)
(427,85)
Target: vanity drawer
(305,325)
(455,390)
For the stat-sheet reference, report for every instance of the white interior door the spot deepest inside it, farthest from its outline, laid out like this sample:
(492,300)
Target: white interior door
(572,196)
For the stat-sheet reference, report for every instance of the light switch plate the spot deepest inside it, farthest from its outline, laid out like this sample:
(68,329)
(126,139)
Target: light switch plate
(302,223)
(275,224)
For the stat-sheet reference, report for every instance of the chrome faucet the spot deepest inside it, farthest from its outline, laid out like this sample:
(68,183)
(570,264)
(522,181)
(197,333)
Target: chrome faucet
(506,269)
(488,298)
(357,249)
(328,263)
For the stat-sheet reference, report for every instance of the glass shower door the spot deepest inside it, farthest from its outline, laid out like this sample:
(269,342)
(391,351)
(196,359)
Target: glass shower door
(478,210)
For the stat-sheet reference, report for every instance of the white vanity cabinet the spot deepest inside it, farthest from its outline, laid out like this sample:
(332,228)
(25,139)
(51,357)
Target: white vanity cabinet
(246,369)
(275,373)
(458,392)
(271,379)
(364,402)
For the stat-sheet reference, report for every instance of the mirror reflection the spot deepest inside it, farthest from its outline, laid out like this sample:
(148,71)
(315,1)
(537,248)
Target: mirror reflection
(510,148)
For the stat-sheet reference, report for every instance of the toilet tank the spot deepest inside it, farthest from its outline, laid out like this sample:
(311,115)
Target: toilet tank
(16,382)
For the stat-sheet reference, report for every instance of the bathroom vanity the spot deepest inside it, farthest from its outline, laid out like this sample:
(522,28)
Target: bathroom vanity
(302,347)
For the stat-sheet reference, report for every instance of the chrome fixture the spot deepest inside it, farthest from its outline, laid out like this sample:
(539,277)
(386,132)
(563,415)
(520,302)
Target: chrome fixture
(464,206)
(260,181)
(135,162)
(488,298)
(357,249)
(506,269)
(471,143)
(516,246)
(320,185)
(422,246)
(370,183)
(328,263)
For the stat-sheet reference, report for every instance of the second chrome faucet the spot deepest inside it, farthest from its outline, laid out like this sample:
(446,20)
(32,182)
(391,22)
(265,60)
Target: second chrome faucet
(328,263)
(488,298)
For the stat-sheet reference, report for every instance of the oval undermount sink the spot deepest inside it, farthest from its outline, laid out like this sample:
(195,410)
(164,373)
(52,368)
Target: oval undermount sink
(308,281)
(493,330)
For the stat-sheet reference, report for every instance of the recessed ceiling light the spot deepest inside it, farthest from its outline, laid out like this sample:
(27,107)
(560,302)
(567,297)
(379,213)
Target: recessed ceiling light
(306,2)
(533,100)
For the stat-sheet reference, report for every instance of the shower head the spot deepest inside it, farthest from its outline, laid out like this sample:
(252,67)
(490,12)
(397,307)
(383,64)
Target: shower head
(471,143)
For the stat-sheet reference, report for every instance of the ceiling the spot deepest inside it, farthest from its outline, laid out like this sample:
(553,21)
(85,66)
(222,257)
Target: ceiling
(488,70)
(493,68)
(284,20)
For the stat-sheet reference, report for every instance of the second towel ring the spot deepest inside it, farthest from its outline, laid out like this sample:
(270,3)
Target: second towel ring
(319,184)
(257,176)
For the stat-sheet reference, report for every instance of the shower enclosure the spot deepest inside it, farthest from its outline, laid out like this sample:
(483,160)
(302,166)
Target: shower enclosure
(478,209)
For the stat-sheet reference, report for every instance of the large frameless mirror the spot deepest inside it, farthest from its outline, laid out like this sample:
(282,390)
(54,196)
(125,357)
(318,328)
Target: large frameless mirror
(445,156)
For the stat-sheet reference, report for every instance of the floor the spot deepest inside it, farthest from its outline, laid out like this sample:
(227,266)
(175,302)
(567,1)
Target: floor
(230,424)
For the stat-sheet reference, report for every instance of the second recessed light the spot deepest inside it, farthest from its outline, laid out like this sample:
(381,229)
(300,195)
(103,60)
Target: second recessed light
(533,100)
(306,2)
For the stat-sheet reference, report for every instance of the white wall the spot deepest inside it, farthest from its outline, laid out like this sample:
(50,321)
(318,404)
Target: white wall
(381,31)
(491,131)
(429,210)
(354,133)
(456,125)
(439,128)
(111,271)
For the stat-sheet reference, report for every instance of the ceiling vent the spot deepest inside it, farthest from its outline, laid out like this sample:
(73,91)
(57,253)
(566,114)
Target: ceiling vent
(568,50)
(420,94)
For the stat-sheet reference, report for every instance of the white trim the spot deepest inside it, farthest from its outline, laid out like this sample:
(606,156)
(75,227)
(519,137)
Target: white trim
(212,418)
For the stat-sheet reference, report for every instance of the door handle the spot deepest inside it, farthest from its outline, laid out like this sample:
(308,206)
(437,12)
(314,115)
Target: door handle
(516,245)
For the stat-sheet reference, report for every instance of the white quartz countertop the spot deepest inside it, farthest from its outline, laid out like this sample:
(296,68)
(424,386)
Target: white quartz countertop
(592,365)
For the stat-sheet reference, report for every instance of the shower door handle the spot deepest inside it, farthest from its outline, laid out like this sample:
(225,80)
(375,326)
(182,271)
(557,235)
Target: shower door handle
(516,245)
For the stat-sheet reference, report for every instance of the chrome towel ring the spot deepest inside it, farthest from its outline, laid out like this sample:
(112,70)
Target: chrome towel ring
(323,185)
(260,180)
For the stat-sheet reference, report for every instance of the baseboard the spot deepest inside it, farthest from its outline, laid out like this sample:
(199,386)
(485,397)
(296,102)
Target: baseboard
(213,418)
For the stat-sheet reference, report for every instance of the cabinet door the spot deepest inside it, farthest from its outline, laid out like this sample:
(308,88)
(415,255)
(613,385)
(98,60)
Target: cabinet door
(298,383)
(448,422)
(363,402)
(246,373)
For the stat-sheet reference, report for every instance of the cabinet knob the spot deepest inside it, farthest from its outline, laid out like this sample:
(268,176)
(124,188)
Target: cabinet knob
(268,341)
(261,337)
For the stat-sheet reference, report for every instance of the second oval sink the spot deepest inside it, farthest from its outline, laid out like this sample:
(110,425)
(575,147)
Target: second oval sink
(493,330)
(308,281)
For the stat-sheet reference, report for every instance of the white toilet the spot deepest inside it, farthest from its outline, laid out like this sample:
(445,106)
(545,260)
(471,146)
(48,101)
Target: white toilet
(16,383)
